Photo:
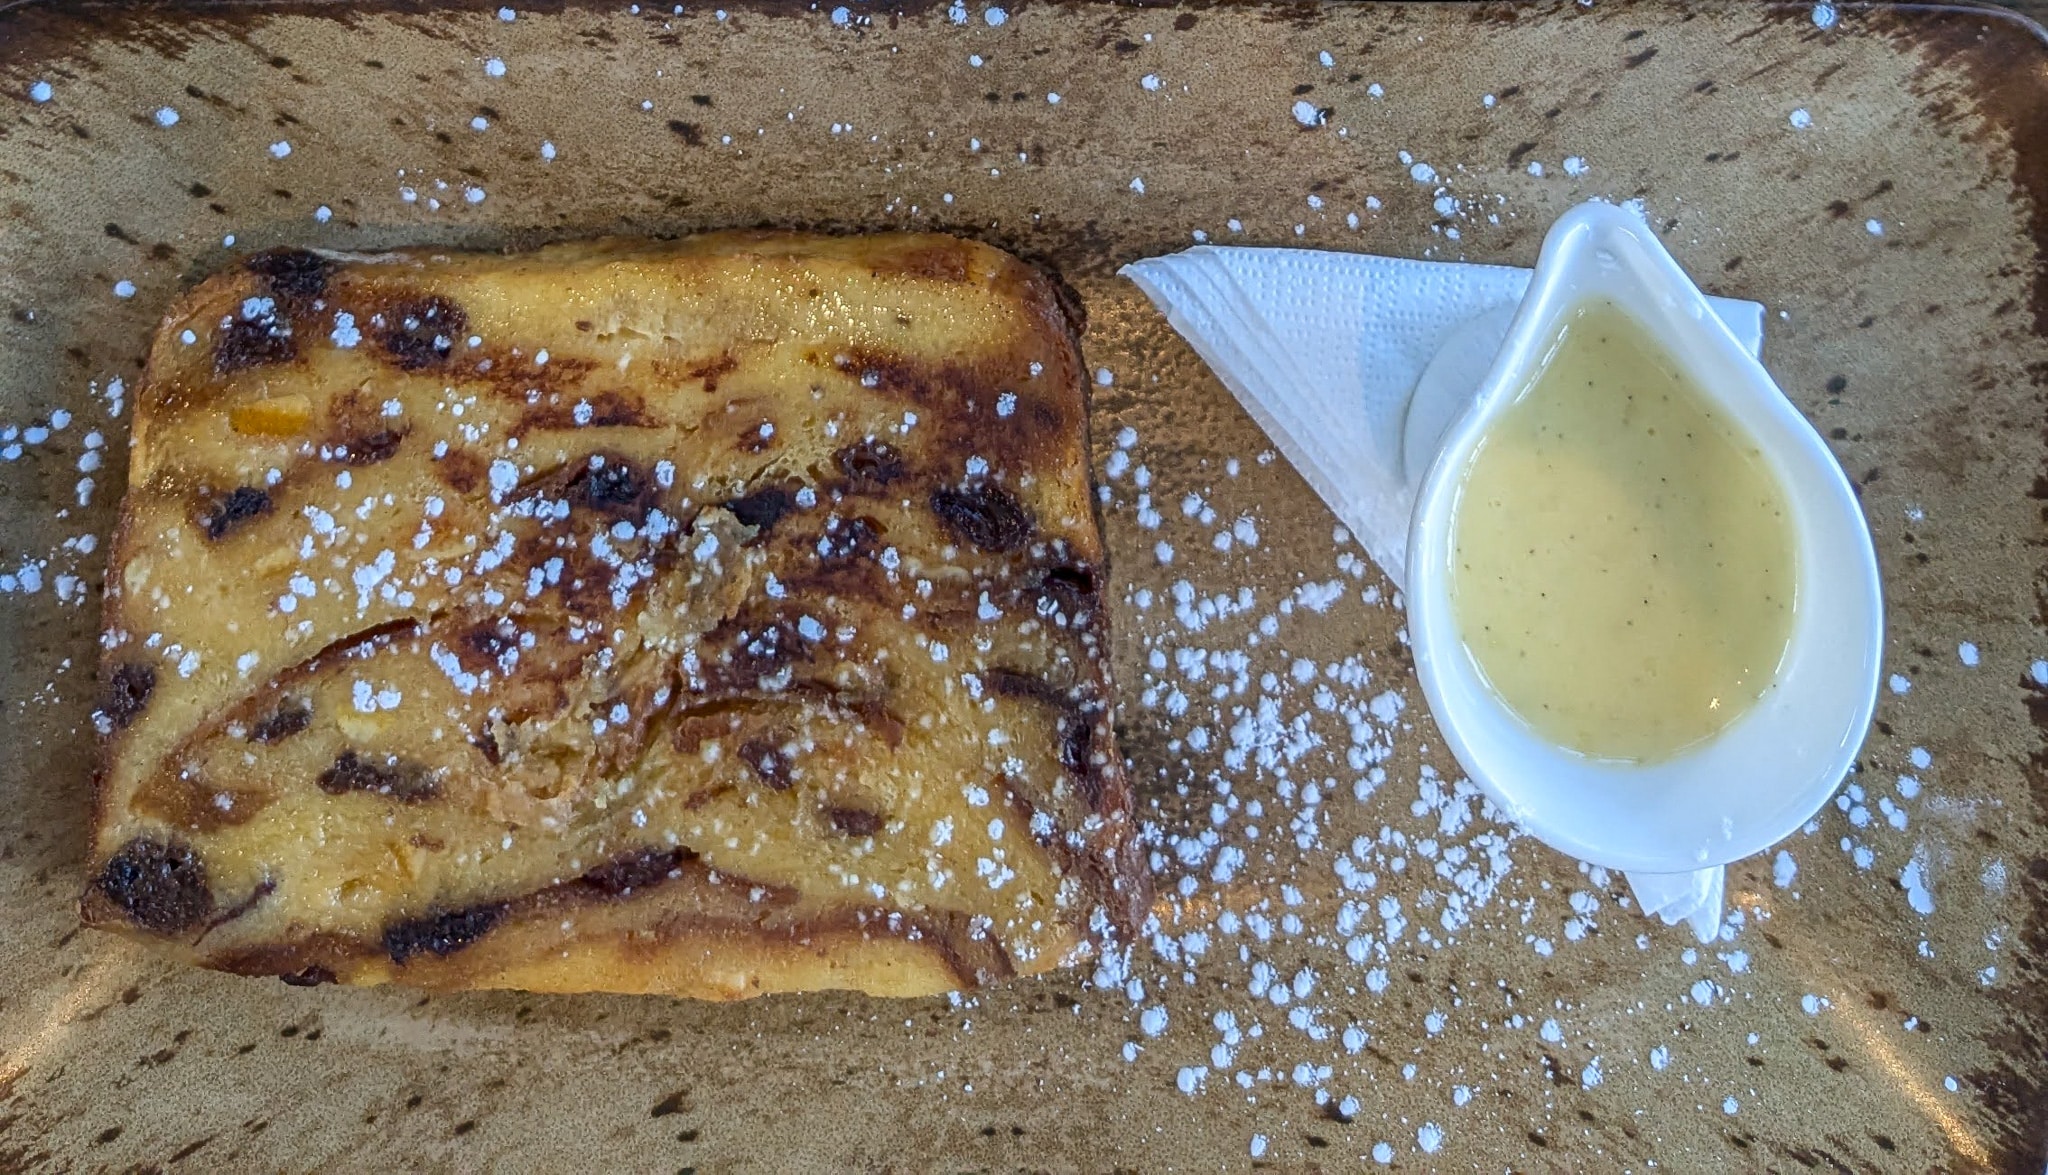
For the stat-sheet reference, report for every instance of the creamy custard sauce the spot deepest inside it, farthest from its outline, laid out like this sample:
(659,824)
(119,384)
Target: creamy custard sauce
(1623,566)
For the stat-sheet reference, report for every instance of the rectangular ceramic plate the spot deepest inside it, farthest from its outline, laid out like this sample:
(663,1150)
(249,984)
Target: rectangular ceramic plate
(1880,1000)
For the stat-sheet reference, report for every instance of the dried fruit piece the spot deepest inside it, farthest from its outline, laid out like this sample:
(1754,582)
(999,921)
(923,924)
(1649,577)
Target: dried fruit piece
(273,416)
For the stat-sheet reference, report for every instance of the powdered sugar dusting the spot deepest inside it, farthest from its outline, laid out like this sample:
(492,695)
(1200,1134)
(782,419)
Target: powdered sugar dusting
(1350,941)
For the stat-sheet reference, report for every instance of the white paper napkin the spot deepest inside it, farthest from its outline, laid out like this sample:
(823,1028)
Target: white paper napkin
(1324,350)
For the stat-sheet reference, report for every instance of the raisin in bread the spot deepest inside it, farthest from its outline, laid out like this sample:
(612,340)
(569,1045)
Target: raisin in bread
(711,617)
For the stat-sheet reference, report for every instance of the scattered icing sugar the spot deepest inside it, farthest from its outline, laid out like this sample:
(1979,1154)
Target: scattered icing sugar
(369,699)
(1251,706)
(504,476)
(1913,879)
(1993,876)
(1783,869)
(166,117)
(1967,654)
(1318,731)
(1800,119)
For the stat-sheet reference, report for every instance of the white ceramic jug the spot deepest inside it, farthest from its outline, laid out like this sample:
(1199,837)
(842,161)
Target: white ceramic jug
(1670,825)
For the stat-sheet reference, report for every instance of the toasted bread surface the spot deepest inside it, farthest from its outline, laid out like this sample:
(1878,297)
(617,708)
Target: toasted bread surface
(713,617)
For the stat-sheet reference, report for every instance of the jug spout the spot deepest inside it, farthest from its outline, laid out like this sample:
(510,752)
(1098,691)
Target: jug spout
(1693,898)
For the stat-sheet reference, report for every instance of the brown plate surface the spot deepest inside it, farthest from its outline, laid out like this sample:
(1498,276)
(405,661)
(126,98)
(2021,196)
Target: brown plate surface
(1882,1002)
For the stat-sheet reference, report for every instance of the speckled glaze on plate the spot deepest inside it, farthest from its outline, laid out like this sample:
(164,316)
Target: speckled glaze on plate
(1877,177)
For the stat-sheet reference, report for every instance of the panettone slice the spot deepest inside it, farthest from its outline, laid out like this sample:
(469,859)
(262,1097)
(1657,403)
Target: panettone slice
(713,617)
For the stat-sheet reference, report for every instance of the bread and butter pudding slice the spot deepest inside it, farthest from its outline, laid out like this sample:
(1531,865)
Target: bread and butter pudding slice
(711,617)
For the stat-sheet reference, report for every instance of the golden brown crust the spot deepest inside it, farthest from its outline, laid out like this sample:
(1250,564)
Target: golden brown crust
(449,586)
